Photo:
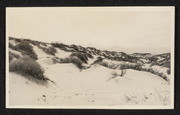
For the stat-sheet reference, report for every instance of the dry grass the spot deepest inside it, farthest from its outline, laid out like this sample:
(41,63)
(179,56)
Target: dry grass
(73,60)
(135,66)
(27,67)
(49,50)
(26,49)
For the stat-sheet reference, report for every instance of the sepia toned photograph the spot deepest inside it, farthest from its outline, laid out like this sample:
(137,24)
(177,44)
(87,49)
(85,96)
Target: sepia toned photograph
(90,57)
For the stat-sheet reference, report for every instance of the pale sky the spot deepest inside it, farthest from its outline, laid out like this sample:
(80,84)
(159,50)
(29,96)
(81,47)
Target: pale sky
(139,29)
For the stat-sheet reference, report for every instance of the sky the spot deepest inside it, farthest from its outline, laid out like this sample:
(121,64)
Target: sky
(129,29)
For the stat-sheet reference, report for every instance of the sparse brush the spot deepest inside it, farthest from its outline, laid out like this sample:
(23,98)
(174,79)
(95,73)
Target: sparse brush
(115,74)
(27,67)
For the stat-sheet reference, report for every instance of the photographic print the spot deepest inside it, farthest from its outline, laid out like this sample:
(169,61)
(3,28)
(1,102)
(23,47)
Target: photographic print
(90,57)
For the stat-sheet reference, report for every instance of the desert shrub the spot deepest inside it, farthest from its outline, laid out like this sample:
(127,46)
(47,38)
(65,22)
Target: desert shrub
(12,56)
(81,56)
(27,67)
(26,49)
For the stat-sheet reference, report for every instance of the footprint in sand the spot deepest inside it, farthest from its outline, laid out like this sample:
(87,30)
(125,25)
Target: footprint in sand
(44,97)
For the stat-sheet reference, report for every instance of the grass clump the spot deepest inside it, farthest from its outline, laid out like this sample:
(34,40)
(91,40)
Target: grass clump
(50,50)
(27,67)
(26,49)
(77,62)
(135,66)
(62,46)
(83,57)
(124,65)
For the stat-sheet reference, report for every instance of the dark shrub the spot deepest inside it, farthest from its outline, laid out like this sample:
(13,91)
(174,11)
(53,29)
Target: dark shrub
(76,62)
(58,45)
(62,47)
(73,60)
(50,50)
(135,66)
(27,67)
(24,46)
(89,55)
(80,56)
(26,49)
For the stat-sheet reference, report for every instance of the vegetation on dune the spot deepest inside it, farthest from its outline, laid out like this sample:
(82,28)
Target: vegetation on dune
(49,50)
(135,66)
(123,65)
(80,55)
(62,47)
(27,67)
(77,62)
(12,56)
(83,57)
(115,74)
(26,49)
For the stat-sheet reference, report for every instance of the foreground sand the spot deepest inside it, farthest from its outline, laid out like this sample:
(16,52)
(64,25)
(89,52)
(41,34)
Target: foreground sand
(88,88)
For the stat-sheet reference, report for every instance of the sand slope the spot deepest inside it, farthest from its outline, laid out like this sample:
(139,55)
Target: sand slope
(89,87)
